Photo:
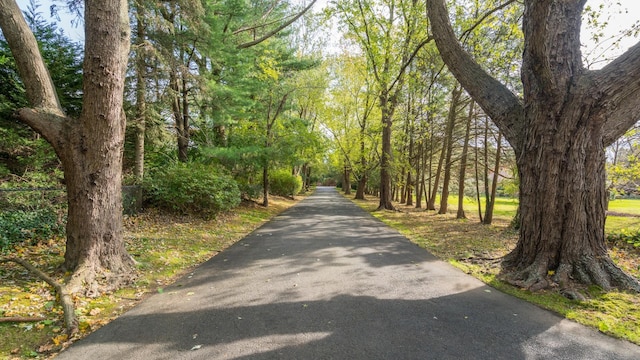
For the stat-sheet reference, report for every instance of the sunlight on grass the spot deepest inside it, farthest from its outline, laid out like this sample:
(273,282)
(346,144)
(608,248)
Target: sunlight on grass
(165,248)
(476,249)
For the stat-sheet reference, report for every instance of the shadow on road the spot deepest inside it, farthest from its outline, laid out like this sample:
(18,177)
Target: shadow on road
(325,280)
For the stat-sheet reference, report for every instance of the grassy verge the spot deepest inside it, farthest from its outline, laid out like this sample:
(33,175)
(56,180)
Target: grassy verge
(165,247)
(469,246)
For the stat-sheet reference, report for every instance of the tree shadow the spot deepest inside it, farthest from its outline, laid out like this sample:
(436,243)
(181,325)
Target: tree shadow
(325,280)
(474,324)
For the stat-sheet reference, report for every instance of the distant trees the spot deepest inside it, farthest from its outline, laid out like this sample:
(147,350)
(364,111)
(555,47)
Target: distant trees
(221,80)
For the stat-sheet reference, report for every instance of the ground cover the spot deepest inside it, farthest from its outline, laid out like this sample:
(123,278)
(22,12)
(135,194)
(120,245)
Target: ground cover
(165,247)
(476,249)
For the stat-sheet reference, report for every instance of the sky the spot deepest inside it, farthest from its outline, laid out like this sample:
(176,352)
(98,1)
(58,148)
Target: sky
(619,14)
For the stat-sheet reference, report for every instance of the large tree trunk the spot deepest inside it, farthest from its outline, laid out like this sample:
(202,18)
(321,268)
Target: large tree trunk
(559,131)
(90,148)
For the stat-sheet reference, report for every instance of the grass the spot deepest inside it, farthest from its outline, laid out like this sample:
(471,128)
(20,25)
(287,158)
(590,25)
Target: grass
(467,244)
(165,247)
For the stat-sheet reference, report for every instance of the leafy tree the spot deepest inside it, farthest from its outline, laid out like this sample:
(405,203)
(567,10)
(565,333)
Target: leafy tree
(558,130)
(89,145)
(389,34)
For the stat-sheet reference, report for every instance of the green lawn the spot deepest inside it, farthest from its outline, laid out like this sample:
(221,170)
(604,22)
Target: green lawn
(506,208)
(627,206)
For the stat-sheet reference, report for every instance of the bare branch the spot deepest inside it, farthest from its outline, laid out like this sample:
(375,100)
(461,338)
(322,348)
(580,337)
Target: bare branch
(278,29)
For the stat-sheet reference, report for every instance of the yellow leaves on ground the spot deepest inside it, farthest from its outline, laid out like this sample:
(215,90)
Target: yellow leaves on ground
(165,248)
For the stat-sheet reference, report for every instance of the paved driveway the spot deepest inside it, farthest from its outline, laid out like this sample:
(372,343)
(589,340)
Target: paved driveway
(325,280)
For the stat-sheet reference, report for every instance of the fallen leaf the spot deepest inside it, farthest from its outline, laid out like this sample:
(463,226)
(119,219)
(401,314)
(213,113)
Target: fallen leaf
(95,311)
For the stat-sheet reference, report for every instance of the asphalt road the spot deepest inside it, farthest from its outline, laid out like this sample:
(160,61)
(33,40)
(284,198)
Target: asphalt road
(325,280)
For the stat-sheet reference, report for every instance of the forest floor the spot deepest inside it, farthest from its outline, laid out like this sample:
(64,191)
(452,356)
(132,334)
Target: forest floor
(166,247)
(476,249)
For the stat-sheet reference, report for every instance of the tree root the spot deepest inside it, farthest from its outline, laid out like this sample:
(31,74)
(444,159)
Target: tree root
(66,301)
(568,277)
(91,280)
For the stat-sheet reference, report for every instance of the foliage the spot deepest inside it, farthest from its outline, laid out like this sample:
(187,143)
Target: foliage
(37,225)
(629,236)
(283,183)
(192,188)
(165,247)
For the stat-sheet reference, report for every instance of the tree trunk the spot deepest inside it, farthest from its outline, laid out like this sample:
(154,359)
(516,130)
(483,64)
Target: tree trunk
(141,91)
(451,123)
(91,147)
(559,131)
(477,172)
(362,184)
(491,196)
(402,188)
(431,204)
(346,182)
(385,159)
(463,164)
(265,186)
(419,176)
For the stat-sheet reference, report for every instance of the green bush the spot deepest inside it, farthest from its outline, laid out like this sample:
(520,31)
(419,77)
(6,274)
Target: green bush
(36,225)
(192,188)
(282,183)
(631,237)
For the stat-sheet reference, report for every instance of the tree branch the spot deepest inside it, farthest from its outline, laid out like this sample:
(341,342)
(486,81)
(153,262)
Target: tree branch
(39,87)
(504,108)
(276,30)
(620,81)
(65,298)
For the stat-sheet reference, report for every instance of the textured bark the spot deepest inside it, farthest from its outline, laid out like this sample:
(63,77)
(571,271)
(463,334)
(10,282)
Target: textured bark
(90,147)
(558,131)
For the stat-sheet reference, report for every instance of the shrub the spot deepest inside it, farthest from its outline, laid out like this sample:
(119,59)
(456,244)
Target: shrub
(192,188)
(631,237)
(282,183)
(35,225)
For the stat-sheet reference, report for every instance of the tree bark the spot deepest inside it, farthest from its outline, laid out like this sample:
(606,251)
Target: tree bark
(558,131)
(90,147)
(346,183)
(431,204)
(141,92)
(448,149)
(386,156)
(463,163)
(490,195)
